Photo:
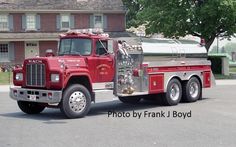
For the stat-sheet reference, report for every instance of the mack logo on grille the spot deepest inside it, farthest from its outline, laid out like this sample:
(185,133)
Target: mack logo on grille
(35,61)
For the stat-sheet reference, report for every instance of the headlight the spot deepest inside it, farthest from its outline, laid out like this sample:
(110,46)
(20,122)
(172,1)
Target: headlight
(55,77)
(19,77)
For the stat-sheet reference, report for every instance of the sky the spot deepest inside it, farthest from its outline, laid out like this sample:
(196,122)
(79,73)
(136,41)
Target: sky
(222,42)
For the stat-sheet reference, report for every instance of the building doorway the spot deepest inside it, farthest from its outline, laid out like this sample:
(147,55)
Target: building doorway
(31,49)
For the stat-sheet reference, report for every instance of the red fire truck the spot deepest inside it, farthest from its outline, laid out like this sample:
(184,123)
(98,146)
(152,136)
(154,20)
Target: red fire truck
(87,62)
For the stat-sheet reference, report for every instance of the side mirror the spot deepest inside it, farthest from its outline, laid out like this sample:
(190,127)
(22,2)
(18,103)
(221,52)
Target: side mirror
(110,47)
(49,53)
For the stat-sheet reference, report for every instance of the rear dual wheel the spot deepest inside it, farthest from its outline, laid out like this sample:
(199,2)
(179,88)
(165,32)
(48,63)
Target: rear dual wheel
(173,94)
(192,90)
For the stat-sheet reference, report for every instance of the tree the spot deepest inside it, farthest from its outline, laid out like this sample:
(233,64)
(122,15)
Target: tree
(203,18)
(133,6)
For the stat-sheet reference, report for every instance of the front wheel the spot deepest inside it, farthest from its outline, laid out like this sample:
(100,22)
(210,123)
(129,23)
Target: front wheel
(30,107)
(76,101)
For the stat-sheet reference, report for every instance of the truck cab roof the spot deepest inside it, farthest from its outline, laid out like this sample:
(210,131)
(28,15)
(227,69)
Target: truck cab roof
(85,33)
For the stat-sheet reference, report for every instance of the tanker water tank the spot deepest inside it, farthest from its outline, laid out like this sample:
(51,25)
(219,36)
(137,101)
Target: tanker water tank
(165,49)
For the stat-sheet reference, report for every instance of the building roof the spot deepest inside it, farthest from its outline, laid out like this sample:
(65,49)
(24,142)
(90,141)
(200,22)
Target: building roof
(39,36)
(62,5)
(29,36)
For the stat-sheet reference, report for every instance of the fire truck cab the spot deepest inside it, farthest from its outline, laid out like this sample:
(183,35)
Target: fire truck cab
(88,61)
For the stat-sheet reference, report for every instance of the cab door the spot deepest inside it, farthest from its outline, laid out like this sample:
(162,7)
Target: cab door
(104,66)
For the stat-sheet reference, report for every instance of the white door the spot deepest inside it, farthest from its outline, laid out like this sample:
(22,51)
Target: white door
(31,49)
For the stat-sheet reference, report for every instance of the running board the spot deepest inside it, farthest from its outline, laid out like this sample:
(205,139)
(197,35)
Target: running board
(102,90)
(107,85)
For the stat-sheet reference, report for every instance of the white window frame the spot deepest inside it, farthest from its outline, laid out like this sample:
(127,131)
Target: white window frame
(94,20)
(30,22)
(62,16)
(4,17)
(4,58)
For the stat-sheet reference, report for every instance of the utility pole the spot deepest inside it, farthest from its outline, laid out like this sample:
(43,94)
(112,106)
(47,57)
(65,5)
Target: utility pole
(217,44)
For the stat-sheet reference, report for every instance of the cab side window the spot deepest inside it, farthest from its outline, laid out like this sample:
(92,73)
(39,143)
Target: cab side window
(101,47)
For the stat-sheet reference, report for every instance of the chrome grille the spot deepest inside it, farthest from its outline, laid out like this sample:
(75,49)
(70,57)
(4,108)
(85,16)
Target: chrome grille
(35,75)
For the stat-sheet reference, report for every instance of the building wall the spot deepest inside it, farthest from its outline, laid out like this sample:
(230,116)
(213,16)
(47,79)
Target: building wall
(19,47)
(82,21)
(48,22)
(116,22)
(44,45)
(17,19)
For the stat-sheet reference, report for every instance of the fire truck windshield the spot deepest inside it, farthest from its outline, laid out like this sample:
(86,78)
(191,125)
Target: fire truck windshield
(75,46)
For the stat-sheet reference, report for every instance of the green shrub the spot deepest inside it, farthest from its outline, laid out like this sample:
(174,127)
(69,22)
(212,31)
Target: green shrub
(216,64)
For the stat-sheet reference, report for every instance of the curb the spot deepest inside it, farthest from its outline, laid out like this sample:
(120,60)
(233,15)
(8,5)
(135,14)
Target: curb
(225,82)
(4,88)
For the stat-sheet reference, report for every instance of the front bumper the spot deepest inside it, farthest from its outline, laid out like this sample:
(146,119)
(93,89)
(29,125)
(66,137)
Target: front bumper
(34,95)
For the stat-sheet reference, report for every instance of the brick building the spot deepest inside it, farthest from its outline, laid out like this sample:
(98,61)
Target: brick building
(30,27)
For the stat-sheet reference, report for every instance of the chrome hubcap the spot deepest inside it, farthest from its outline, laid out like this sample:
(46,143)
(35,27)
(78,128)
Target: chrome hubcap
(175,92)
(77,102)
(194,89)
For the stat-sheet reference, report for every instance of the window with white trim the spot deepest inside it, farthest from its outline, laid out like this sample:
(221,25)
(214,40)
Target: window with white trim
(98,21)
(30,22)
(65,22)
(4,52)
(3,22)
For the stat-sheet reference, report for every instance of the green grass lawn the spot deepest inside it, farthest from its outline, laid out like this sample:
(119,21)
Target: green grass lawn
(232,69)
(4,78)
(222,77)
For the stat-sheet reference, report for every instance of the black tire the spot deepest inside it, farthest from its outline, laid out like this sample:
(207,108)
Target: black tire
(30,107)
(76,101)
(172,98)
(130,99)
(188,96)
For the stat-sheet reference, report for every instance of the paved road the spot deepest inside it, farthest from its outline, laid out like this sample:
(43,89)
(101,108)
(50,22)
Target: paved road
(212,124)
